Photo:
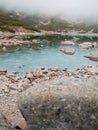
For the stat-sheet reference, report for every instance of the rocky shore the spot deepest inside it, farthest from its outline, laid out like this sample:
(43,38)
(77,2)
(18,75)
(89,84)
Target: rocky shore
(9,40)
(12,85)
(16,82)
(61,104)
(13,40)
(19,40)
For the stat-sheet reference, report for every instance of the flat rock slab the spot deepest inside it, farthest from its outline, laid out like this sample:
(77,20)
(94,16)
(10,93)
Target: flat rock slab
(88,45)
(67,43)
(61,104)
(93,57)
(69,51)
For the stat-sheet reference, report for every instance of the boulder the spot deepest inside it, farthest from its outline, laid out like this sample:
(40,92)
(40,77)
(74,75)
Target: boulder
(61,104)
(86,45)
(4,125)
(69,51)
(67,43)
(93,56)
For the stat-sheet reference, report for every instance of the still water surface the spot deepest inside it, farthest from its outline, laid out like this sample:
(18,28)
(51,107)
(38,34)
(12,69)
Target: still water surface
(44,55)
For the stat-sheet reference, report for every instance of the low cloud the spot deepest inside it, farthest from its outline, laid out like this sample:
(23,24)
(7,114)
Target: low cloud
(70,9)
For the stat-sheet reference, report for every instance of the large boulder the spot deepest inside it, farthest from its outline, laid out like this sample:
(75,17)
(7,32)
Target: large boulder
(4,125)
(61,104)
(86,45)
(69,51)
(93,56)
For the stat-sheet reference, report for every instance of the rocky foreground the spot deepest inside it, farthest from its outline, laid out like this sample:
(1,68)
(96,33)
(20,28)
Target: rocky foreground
(61,104)
(12,85)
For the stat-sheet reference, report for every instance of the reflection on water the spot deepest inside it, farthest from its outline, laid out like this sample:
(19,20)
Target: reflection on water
(44,55)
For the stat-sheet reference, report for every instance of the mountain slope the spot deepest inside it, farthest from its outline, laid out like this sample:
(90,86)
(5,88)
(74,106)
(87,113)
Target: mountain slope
(19,21)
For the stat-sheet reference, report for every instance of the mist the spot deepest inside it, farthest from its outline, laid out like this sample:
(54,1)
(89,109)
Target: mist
(69,9)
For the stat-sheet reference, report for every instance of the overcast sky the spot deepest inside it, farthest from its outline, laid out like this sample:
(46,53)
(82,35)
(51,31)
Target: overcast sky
(69,8)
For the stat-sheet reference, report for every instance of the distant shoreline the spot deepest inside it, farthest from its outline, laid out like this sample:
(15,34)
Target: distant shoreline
(8,40)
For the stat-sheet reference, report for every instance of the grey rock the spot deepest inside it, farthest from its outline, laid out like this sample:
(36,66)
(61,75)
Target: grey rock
(4,125)
(61,104)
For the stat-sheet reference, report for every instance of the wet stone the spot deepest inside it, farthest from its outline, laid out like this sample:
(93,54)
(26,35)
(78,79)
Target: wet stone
(61,104)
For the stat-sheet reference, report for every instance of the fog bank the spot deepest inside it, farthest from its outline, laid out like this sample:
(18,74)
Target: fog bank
(70,9)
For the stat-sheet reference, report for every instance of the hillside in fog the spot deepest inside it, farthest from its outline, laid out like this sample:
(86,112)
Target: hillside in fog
(14,21)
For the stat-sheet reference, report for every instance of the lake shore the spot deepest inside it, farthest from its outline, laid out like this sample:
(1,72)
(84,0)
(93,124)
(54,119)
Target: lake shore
(11,40)
(12,85)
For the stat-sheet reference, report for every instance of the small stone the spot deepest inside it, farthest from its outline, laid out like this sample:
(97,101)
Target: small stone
(37,74)
(4,88)
(45,72)
(13,92)
(43,68)
(23,83)
(29,75)
(3,72)
(4,48)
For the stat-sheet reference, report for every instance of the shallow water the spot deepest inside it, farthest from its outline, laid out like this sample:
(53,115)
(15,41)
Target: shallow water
(44,55)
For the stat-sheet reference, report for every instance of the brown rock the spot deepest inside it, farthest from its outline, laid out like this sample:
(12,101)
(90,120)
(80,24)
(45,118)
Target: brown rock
(67,43)
(22,125)
(69,51)
(29,75)
(37,74)
(93,56)
(4,88)
(45,72)
(86,45)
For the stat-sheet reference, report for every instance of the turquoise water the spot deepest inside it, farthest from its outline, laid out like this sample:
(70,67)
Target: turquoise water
(44,55)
